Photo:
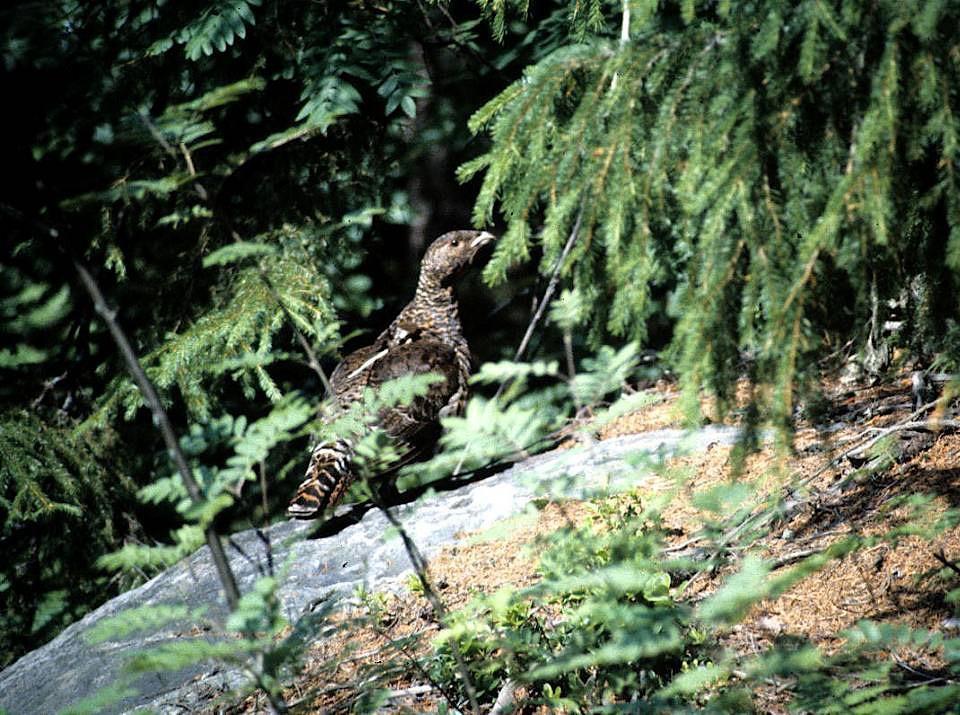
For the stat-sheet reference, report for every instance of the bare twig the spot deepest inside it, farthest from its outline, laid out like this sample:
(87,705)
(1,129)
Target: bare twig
(928,678)
(315,693)
(853,450)
(571,367)
(942,558)
(420,568)
(927,426)
(276,705)
(160,418)
(412,690)
(415,662)
(256,565)
(47,386)
(793,557)
(267,548)
(262,472)
(188,157)
(455,41)
(197,186)
(766,515)
(157,134)
(373,652)
(551,287)
(625,24)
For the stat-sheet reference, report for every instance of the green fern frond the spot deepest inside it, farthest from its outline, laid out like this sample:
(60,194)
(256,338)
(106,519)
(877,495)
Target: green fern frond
(137,557)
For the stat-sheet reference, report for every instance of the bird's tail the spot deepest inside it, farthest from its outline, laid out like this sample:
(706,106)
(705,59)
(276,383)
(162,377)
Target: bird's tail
(328,477)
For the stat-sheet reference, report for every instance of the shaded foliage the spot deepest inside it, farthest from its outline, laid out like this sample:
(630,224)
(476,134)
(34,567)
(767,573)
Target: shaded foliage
(223,168)
(767,174)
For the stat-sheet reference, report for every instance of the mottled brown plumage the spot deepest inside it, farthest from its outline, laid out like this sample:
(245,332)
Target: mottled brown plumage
(425,337)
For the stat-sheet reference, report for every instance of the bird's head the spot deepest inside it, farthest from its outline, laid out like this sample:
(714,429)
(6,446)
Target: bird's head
(451,254)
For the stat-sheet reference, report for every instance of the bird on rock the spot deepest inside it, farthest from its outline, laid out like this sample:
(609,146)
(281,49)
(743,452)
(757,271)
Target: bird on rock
(426,337)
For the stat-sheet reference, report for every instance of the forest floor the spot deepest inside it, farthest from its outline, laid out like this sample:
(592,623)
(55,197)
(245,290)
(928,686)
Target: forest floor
(895,583)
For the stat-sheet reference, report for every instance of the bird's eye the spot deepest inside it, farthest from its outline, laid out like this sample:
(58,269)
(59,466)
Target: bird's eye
(454,243)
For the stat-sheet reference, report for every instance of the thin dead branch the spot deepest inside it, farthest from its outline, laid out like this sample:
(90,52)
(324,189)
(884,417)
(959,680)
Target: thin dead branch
(926,426)
(942,558)
(551,287)
(149,394)
(793,557)
(420,568)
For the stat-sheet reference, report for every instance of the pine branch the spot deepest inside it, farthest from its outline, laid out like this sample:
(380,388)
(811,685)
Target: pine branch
(308,350)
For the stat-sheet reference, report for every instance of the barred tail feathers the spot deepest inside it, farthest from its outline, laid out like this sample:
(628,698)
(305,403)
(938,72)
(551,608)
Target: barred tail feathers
(327,479)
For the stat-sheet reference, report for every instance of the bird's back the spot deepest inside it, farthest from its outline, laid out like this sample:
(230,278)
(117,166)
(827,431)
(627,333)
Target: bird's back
(415,425)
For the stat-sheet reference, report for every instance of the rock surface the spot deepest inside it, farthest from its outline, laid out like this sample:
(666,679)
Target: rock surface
(321,565)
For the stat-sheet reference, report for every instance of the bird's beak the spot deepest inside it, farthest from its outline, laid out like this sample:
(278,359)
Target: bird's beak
(482,240)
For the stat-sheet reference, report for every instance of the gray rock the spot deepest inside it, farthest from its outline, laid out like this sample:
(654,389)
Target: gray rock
(317,568)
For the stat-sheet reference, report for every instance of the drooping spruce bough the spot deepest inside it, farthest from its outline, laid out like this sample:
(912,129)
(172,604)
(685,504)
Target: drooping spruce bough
(767,174)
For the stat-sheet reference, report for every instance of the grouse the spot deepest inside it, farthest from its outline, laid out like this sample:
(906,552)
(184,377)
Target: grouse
(425,337)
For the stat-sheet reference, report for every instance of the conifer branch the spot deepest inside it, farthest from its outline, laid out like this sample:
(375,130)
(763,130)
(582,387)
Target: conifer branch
(308,350)
(201,191)
(162,421)
(804,278)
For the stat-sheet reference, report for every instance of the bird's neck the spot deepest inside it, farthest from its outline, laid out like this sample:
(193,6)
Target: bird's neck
(435,304)
(431,292)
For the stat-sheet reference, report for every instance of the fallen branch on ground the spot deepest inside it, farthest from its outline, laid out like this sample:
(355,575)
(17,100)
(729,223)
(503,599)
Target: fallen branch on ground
(942,558)
(412,690)
(924,426)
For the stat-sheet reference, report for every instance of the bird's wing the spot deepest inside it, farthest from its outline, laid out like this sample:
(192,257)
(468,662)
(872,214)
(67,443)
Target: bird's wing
(360,368)
(353,373)
(416,426)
